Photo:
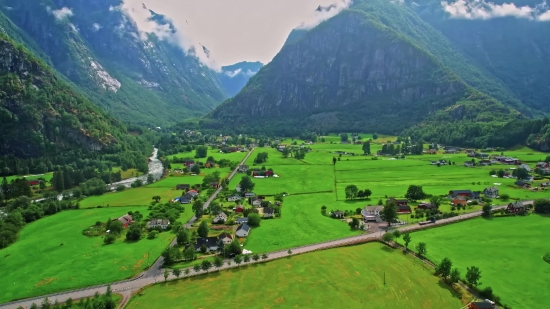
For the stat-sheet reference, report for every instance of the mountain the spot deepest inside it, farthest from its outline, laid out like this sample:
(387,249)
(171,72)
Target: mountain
(41,114)
(234,77)
(383,66)
(141,78)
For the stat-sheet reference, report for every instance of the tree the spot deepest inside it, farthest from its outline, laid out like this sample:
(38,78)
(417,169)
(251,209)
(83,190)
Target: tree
(235,247)
(218,262)
(150,179)
(286,152)
(387,237)
(246,184)
(156,198)
(198,208)
(351,191)
(500,173)
(334,160)
(473,274)
(367,193)
(375,136)
(421,248)
(183,237)
(196,169)
(246,258)
(354,223)
(415,192)
(254,219)
(190,254)
(201,152)
(176,272)
(542,206)
(153,234)
(396,234)
(134,232)
(454,276)
(436,201)
(210,159)
(238,260)
(366,148)
(486,210)
(58,180)
(166,274)
(444,268)
(206,265)
(186,271)
(197,268)
(256,257)
(344,137)
(289,252)
(521,173)
(389,213)
(407,240)
(264,256)
(215,208)
(203,229)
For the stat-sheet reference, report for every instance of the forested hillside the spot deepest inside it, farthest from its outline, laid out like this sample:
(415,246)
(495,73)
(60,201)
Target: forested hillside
(139,78)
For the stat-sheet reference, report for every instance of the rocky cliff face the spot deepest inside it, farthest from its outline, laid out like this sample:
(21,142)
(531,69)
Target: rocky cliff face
(40,114)
(138,77)
(234,77)
(345,73)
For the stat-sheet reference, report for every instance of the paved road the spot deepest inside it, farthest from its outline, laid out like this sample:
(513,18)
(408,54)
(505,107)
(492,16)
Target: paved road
(140,282)
(156,269)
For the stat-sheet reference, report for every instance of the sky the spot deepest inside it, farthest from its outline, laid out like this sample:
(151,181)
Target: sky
(234,30)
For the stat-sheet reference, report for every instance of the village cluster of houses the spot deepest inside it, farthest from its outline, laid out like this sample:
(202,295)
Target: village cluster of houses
(127,219)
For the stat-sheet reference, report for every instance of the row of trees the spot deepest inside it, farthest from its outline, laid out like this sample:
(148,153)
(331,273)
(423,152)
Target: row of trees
(98,301)
(261,158)
(353,192)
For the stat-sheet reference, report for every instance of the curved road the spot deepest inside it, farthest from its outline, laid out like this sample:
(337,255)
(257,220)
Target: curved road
(129,286)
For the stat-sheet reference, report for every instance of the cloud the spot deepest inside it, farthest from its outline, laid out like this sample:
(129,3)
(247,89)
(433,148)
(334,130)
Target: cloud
(325,12)
(96,27)
(248,73)
(113,8)
(63,13)
(73,27)
(146,25)
(479,9)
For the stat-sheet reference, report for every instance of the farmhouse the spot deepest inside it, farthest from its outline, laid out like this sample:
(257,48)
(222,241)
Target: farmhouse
(542,165)
(486,304)
(158,223)
(239,208)
(192,193)
(242,220)
(491,192)
(184,186)
(189,163)
(242,230)
(125,220)
(269,212)
(468,194)
(214,185)
(525,166)
(398,202)
(220,218)
(211,243)
(426,205)
(372,213)
(243,168)
(515,207)
(459,200)
(233,198)
(403,209)
(225,238)
(34,182)
(256,202)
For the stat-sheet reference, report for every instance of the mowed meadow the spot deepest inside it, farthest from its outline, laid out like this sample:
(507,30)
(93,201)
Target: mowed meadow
(508,250)
(51,254)
(353,276)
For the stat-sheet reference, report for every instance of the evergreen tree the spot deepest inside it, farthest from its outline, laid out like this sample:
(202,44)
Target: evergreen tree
(58,181)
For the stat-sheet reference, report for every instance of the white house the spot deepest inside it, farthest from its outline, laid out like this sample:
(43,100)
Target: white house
(238,188)
(156,223)
(220,218)
(225,238)
(372,213)
(242,230)
(233,198)
(257,202)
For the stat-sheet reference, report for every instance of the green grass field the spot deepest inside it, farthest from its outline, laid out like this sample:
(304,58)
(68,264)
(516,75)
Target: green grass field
(46,176)
(350,277)
(508,251)
(233,156)
(38,264)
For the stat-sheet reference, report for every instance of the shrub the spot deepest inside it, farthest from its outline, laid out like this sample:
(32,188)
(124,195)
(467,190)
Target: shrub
(504,197)
(546,258)
(153,234)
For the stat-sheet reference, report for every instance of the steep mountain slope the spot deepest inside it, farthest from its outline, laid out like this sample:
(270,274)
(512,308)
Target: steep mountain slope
(360,71)
(514,50)
(40,115)
(234,77)
(136,76)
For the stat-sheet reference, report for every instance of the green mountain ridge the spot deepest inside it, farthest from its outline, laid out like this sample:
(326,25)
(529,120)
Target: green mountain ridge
(138,78)
(364,71)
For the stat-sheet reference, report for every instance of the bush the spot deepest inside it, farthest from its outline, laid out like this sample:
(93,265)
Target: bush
(109,239)
(120,188)
(153,234)
(504,197)
(254,219)
(546,258)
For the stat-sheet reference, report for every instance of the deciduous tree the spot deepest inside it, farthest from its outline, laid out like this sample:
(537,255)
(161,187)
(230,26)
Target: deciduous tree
(415,192)
(444,268)
(473,274)
(455,276)
(366,148)
(351,191)
(421,248)
(247,184)
(203,229)
(254,219)
(407,240)
(389,213)
(176,272)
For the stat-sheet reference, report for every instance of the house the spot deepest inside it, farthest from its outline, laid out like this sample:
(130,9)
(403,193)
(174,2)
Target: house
(515,207)
(125,220)
(225,238)
(269,212)
(431,151)
(189,163)
(192,193)
(545,184)
(233,198)
(486,304)
(249,194)
(468,164)
(214,185)
(256,202)
(243,168)
(211,243)
(239,208)
(184,186)
(403,209)
(398,202)
(542,165)
(459,200)
(158,223)
(34,182)
(491,192)
(525,166)
(242,230)
(372,213)
(451,150)
(522,184)
(220,218)
(186,199)
(238,188)
(338,214)
(242,220)
(468,194)
(426,205)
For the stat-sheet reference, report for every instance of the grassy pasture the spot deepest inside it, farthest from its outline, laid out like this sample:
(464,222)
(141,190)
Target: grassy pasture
(508,251)
(37,264)
(130,197)
(233,156)
(349,276)
(46,176)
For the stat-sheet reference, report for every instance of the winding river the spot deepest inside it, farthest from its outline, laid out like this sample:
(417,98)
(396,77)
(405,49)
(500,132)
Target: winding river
(155,169)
